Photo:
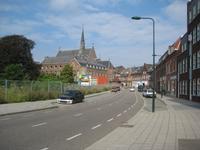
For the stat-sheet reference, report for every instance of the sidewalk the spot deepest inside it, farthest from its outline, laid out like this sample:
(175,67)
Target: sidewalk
(173,126)
(14,108)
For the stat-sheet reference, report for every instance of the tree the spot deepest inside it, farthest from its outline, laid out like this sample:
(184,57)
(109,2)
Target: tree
(14,72)
(50,77)
(16,49)
(67,74)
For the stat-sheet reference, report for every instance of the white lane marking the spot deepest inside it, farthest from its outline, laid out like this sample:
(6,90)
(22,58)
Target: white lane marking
(40,124)
(125,111)
(78,115)
(119,115)
(129,108)
(132,106)
(46,148)
(3,119)
(97,126)
(110,120)
(99,108)
(70,138)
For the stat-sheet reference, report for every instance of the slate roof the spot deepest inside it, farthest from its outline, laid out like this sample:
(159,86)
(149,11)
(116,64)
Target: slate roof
(66,56)
(74,53)
(108,64)
(56,60)
(84,62)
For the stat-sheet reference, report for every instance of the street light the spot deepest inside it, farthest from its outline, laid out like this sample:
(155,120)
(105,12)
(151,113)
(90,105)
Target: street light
(154,74)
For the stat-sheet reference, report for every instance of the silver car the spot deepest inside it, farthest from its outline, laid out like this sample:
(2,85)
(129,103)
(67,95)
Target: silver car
(149,93)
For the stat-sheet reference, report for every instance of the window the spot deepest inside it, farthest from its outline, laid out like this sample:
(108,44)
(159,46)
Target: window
(194,11)
(185,87)
(198,86)
(198,32)
(194,87)
(186,64)
(190,16)
(194,35)
(198,7)
(183,65)
(194,61)
(198,59)
(181,68)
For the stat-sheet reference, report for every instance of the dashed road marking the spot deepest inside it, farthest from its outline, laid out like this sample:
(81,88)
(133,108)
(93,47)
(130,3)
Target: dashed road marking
(125,111)
(46,148)
(119,115)
(78,115)
(110,120)
(129,108)
(77,135)
(40,124)
(97,126)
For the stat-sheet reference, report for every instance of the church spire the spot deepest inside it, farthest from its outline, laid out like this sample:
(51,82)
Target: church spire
(82,42)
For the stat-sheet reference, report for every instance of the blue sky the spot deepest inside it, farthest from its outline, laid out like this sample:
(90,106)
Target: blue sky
(107,24)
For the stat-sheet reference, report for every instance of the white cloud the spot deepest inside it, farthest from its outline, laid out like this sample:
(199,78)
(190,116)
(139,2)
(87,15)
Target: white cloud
(64,4)
(115,35)
(177,10)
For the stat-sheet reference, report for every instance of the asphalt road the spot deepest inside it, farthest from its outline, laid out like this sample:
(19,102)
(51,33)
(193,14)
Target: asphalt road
(70,127)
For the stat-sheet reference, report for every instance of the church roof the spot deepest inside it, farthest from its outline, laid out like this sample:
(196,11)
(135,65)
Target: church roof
(84,62)
(74,53)
(56,60)
(108,64)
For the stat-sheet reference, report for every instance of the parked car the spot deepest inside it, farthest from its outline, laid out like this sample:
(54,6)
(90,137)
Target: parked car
(140,88)
(115,88)
(149,93)
(132,89)
(71,97)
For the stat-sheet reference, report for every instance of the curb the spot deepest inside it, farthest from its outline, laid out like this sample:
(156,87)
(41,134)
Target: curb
(32,110)
(96,94)
(162,101)
(51,107)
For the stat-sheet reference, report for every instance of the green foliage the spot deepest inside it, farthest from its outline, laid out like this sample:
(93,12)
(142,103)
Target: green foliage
(49,77)
(16,49)
(14,72)
(67,74)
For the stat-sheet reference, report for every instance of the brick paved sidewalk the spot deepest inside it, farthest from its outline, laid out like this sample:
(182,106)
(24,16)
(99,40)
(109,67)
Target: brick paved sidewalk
(174,126)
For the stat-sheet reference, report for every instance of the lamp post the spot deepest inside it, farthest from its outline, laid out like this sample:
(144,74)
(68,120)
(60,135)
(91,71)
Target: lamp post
(154,74)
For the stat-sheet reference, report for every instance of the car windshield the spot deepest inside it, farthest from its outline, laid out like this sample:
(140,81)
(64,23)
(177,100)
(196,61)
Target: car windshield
(150,90)
(69,93)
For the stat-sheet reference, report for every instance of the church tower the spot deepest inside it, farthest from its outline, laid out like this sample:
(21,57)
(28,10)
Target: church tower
(82,43)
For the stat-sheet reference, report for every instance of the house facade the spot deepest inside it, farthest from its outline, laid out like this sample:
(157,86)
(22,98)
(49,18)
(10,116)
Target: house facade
(166,70)
(193,30)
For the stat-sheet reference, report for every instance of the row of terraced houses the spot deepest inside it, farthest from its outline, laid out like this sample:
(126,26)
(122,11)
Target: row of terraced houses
(178,69)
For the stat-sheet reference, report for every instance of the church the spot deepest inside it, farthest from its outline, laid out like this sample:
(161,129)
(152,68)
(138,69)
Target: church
(88,69)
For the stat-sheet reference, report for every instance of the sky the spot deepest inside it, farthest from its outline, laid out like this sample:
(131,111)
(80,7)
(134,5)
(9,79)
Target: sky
(55,24)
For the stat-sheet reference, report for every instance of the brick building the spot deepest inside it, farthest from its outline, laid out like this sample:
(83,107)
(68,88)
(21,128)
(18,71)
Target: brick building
(87,67)
(166,70)
(193,30)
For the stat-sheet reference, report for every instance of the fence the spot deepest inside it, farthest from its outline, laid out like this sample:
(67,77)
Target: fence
(19,91)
